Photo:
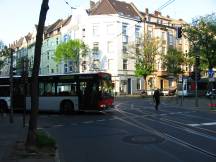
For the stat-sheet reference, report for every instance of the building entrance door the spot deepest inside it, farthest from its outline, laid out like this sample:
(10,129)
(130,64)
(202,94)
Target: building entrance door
(129,86)
(161,84)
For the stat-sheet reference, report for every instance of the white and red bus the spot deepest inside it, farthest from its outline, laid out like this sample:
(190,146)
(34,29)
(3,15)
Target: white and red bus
(62,93)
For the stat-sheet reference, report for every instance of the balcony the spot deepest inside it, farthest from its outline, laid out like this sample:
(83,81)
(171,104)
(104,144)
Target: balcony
(161,73)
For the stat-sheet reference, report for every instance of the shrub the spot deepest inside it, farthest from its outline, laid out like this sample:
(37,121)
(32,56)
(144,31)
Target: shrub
(44,140)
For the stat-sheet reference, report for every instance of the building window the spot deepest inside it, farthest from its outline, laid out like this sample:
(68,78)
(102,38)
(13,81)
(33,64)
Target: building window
(124,29)
(95,30)
(47,55)
(125,62)
(47,69)
(110,63)
(110,29)
(170,39)
(159,21)
(149,18)
(57,41)
(137,33)
(158,65)
(95,48)
(163,50)
(163,36)
(96,64)
(84,66)
(65,68)
(149,34)
(52,70)
(138,84)
(124,47)
(110,47)
(70,66)
(83,32)
(57,69)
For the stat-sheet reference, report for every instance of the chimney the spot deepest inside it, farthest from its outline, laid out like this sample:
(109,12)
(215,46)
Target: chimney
(146,10)
(157,13)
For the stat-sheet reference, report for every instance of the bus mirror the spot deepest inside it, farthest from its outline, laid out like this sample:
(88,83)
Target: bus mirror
(13,71)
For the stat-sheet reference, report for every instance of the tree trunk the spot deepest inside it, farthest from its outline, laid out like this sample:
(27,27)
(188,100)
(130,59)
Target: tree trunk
(145,83)
(31,137)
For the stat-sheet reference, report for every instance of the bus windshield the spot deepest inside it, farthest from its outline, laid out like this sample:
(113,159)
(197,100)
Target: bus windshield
(106,88)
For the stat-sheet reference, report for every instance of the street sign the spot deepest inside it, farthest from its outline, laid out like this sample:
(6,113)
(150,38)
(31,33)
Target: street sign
(210,73)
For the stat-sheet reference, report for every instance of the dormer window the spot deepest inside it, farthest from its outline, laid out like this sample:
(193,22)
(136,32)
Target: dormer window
(121,13)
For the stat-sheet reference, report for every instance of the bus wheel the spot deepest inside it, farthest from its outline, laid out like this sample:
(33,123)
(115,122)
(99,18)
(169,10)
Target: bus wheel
(66,107)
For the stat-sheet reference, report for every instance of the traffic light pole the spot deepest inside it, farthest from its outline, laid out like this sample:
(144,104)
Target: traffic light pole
(196,76)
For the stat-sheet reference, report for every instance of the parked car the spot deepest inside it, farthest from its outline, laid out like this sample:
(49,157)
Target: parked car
(142,93)
(171,91)
(211,93)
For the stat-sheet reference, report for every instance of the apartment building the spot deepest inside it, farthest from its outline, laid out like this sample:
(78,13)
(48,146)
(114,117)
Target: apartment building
(164,28)
(113,25)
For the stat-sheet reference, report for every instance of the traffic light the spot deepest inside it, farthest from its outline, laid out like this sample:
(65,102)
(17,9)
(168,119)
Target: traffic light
(179,32)
(198,61)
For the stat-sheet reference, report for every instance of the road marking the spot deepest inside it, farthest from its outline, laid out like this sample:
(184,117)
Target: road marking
(202,124)
(58,125)
(163,114)
(100,120)
(74,124)
(88,122)
(112,119)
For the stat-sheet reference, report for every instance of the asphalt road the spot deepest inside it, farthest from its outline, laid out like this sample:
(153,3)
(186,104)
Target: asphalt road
(134,132)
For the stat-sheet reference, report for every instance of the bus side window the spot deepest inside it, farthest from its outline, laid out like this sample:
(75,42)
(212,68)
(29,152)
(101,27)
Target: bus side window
(41,89)
(82,87)
(48,89)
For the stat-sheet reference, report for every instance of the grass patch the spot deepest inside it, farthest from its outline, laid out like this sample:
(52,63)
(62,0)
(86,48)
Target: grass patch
(44,140)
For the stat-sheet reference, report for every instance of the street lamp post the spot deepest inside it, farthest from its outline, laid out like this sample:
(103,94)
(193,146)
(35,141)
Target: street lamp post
(11,86)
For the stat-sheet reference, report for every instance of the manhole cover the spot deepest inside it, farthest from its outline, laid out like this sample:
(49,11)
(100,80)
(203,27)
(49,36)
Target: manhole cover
(143,139)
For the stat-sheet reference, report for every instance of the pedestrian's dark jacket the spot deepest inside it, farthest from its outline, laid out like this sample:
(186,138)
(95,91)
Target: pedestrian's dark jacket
(156,96)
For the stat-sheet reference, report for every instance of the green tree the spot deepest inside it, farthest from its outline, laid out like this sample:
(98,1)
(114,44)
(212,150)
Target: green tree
(71,50)
(202,35)
(172,61)
(31,137)
(4,54)
(144,52)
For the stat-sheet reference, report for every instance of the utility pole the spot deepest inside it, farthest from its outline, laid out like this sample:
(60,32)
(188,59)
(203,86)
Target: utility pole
(24,84)
(11,85)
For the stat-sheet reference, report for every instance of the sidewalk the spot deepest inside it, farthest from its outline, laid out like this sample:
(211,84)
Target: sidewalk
(10,134)
(203,103)
(186,102)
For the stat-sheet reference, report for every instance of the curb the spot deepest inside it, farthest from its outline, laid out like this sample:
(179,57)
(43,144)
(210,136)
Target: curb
(57,157)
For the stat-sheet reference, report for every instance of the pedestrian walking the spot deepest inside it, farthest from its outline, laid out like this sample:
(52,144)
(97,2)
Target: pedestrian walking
(156,98)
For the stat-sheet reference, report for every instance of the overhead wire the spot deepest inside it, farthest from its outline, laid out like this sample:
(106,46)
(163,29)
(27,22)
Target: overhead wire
(165,5)
(69,5)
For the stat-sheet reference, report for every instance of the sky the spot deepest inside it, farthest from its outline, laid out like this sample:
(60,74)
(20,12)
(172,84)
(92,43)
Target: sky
(18,17)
